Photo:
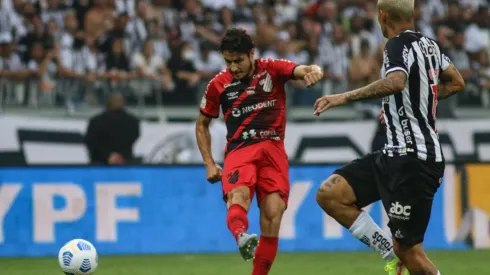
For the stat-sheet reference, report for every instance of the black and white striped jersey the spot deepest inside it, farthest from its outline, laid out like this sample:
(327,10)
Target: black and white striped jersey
(411,115)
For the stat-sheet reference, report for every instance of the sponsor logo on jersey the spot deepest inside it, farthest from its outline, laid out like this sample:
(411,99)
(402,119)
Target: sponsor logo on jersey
(236,112)
(231,84)
(232,95)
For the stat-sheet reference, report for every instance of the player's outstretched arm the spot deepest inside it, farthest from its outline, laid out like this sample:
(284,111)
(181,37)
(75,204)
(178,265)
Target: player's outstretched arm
(393,83)
(310,74)
(203,136)
(451,83)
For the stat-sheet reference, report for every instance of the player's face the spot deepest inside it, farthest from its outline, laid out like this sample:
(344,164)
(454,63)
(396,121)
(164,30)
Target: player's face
(382,18)
(240,65)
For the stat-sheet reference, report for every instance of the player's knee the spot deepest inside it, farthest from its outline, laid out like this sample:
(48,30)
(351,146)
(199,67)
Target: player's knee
(407,251)
(326,196)
(272,209)
(272,214)
(240,195)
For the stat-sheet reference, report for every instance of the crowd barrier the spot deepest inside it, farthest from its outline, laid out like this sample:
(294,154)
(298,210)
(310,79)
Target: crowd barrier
(172,209)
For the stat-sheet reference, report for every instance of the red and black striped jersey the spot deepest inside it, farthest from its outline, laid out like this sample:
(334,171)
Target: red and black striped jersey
(254,109)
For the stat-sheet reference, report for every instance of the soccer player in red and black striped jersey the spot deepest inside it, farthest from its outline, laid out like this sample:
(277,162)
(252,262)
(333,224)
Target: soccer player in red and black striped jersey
(251,96)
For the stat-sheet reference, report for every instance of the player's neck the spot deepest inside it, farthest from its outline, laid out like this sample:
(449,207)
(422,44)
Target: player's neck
(399,28)
(252,69)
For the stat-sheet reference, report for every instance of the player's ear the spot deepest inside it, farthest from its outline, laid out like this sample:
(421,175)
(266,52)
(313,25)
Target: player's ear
(252,54)
(382,17)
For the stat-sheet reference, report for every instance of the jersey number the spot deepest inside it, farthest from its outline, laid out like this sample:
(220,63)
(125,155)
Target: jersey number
(434,100)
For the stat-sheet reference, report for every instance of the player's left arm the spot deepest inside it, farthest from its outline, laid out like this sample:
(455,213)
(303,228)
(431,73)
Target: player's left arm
(311,74)
(451,81)
(396,55)
(393,83)
(287,70)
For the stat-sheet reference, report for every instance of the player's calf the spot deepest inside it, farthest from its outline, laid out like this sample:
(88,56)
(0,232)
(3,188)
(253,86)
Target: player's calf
(414,259)
(272,208)
(238,203)
(336,197)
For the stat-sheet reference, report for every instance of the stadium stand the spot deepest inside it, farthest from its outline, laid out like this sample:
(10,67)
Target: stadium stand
(63,57)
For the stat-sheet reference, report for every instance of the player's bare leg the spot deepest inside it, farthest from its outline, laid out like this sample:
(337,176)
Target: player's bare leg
(238,203)
(336,197)
(272,208)
(415,259)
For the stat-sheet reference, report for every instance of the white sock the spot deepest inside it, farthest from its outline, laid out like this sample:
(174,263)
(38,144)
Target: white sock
(438,273)
(368,232)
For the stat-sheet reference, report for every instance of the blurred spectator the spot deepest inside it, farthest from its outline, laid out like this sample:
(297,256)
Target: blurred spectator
(477,35)
(184,74)
(335,58)
(157,36)
(43,66)
(363,68)
(12,67)
(151,70)
(136,27)
(111,135)
(459,56)
(209,62)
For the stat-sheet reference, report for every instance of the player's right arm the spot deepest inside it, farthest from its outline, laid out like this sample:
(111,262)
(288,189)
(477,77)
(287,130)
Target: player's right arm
(203,136)
(209,109)
(451,81)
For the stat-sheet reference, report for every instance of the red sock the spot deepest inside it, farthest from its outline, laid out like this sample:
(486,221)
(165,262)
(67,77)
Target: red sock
(237,220)
(265,255)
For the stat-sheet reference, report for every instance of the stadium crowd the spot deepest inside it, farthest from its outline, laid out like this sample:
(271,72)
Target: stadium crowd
(75,52)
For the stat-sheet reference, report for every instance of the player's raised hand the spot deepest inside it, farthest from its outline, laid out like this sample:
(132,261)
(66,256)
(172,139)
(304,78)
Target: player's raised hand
(328,102)
(214,173)
(313,77)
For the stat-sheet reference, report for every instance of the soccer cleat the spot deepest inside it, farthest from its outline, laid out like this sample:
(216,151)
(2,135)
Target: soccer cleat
(247,243)
(396,267)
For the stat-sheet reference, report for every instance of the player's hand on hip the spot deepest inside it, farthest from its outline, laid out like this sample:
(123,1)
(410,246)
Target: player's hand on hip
(328,102)
(312,78)
(381,116)
(214,173)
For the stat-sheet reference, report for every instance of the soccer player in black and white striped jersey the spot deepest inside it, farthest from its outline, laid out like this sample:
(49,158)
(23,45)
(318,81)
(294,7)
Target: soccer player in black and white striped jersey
(408,172)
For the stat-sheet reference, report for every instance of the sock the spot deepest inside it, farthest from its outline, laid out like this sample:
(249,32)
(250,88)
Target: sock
(438,272)
(237,220)
(368,232)
(265,255)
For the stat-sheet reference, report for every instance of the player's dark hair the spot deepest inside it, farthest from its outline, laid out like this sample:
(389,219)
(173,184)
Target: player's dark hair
(236,40)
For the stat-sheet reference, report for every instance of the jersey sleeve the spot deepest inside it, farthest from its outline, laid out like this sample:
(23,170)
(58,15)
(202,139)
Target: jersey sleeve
(445,62)
(396,57)
(210,101)
(283,68)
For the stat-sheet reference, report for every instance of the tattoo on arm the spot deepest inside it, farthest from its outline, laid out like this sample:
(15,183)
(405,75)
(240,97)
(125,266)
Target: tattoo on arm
(394,83)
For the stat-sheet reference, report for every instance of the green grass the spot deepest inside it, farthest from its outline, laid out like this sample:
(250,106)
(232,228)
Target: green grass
(365,263)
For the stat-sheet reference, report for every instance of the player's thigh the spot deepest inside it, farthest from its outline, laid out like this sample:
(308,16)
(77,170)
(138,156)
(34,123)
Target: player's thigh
(357,184)
(239,178)
(409,203)
(273,175)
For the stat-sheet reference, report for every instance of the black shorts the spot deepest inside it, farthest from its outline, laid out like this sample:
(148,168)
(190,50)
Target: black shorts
(405,184)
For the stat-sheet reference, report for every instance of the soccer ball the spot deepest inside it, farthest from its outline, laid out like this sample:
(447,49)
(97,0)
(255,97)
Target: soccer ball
(78,257)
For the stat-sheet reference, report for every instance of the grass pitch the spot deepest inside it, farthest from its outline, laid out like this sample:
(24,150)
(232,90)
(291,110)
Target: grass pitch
(336,263)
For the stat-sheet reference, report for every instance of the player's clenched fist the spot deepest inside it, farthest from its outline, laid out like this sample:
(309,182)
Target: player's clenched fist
(313,77)
(213,173)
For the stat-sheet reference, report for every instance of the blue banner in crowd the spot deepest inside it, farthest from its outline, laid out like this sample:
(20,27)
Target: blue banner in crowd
(160,210)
